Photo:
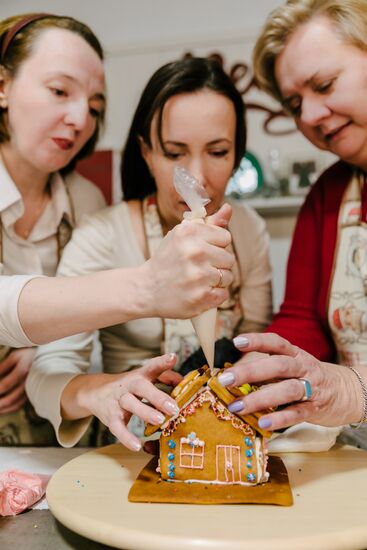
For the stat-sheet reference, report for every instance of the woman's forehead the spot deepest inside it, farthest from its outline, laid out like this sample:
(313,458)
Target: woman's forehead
(311,49)
(212,115)
(53,43)
(62,51)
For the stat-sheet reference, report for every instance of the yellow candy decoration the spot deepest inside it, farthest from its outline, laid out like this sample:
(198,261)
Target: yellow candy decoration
(245,389)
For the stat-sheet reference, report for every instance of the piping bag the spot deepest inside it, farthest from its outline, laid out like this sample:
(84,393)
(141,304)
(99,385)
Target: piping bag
(196,198)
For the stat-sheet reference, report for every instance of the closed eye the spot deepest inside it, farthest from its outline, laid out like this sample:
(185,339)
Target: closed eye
(219,154)
(325,87)
(172,156)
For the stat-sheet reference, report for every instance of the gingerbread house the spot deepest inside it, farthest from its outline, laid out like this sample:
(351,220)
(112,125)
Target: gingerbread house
(205,442)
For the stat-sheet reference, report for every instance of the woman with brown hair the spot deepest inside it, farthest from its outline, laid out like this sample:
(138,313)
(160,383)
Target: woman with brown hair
(191,115)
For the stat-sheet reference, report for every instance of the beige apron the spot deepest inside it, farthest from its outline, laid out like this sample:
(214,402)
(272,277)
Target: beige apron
(347,310)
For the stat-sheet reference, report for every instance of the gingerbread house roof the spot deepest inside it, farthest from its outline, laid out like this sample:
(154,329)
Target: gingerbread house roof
(195,382)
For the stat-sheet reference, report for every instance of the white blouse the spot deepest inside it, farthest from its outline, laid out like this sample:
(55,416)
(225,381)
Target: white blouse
(37,255)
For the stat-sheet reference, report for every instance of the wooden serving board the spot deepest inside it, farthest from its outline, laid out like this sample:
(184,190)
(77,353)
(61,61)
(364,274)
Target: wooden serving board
(89,495)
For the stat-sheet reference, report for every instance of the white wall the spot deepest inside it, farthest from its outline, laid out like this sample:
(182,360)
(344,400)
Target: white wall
(141,35)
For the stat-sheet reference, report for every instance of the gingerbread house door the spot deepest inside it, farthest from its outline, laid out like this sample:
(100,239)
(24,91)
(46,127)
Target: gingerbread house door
(228,463)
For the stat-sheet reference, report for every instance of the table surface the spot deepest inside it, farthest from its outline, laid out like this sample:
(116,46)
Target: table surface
(89,496)
(38,529)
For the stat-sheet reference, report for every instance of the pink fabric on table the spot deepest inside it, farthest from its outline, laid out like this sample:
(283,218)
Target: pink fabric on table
(20,490)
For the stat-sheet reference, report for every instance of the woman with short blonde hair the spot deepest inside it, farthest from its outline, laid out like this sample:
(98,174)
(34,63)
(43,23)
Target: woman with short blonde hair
(312,57)
(349,17)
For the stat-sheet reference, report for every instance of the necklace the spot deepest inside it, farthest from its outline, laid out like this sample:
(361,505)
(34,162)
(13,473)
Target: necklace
(25,229)
(64,230)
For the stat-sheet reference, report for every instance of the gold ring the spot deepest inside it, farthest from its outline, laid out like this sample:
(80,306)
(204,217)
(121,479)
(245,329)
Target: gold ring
(219,283)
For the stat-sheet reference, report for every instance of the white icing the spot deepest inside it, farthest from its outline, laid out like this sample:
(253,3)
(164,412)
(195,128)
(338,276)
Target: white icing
(214,482)
(260,464)
(196,442)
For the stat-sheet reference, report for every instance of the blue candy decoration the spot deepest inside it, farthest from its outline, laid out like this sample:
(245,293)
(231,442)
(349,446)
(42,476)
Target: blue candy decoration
(249,452)
(171,475)
(171,456)
(171,467)
(251,477)
(249,464)
(171,444)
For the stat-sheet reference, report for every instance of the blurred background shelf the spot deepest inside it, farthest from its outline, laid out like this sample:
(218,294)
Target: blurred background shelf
(280,215)
(273,207)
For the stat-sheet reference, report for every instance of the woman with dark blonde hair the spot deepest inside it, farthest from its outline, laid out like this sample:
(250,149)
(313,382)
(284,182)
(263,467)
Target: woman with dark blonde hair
(312,57)
(51,106)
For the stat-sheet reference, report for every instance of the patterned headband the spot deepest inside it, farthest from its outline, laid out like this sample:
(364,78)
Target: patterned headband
(7,38)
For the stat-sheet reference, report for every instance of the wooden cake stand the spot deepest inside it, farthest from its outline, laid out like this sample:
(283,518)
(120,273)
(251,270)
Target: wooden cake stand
(89,496)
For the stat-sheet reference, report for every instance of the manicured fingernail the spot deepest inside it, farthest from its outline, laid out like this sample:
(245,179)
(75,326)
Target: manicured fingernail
(226,378)
(135,445)
(171,357)
(158,418)
(236,406)
(241,341)
(264,423)
(171,408)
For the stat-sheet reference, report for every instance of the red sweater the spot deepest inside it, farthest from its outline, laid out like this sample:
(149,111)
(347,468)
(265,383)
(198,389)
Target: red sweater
(302,318)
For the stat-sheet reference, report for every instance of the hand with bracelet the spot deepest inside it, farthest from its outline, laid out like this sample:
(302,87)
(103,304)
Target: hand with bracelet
(304,388)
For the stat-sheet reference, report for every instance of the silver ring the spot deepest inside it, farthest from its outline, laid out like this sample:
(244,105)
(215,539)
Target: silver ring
(308,389)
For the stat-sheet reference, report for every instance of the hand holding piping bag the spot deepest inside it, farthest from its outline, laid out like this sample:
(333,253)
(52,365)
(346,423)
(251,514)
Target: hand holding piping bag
(196,198)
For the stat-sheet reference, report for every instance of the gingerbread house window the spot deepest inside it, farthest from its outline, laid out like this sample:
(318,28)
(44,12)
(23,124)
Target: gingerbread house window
(192,452)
